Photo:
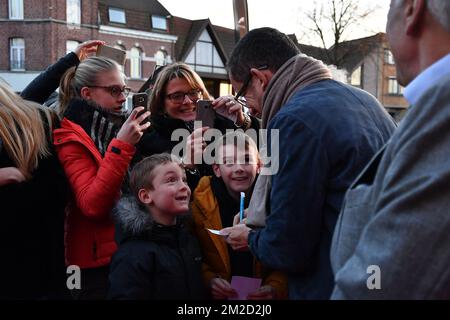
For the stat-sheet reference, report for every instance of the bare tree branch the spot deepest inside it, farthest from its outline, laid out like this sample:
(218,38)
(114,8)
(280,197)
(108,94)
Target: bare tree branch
(332,20)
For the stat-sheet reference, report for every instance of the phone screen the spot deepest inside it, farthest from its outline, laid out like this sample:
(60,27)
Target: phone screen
(112,53)
(205,113)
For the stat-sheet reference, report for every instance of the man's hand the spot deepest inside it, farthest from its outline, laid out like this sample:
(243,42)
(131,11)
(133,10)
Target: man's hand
(237,236)
(263,293)
(237,219)
(221,289)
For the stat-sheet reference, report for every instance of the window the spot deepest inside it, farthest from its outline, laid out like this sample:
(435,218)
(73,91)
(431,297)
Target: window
(16,9)
(160,57)
(204,56)
(135,63)
(73,11)
(159,22)
(388,57)
(225,89)
(71,45)
(394,88)
(355,79)
(17,54)
(117,15)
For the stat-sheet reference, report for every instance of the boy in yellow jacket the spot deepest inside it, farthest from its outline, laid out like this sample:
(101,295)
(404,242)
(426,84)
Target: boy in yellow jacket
(215,203)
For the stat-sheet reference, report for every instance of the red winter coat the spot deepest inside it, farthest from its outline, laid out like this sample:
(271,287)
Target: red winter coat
(95,184)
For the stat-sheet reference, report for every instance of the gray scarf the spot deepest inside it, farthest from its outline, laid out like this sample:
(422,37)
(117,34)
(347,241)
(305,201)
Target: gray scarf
(294,75)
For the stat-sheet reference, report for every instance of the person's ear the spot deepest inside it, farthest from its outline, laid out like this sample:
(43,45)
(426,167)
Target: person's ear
(414,13)
(263,76)
(145,196)
(85,93)
(216,170)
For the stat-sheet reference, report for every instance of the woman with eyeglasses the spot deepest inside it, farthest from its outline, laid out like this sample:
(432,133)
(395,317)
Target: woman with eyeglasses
(173,105)
(95,145)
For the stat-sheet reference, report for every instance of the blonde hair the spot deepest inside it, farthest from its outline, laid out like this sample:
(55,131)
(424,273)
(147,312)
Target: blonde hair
(22,130)
(176,70)
(84,75)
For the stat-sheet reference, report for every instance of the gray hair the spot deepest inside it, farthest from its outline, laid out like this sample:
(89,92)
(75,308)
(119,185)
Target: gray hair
(440,9)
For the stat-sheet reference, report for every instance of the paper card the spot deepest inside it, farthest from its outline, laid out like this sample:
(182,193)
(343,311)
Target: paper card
(217,232)
(244,286)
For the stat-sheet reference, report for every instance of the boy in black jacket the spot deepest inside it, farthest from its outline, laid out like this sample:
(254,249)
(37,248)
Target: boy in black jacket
(157,257)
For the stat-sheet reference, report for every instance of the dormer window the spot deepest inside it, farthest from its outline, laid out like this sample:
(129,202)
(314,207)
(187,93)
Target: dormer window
(117,15)
(159,22)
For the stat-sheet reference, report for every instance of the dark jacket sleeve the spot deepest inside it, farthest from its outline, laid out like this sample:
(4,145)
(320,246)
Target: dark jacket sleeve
(130,273)
(294,225)
(40,89)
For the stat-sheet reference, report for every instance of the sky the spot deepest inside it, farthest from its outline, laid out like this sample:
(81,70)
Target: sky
(284,15)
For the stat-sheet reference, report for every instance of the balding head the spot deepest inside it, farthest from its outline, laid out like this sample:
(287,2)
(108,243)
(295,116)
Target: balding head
(440,9)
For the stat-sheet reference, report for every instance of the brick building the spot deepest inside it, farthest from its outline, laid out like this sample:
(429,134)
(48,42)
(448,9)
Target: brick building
(368,64)
(36,33)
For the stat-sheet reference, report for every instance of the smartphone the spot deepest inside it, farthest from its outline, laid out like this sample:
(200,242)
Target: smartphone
(205,107)
(205,113)
(112,53)
(141,100)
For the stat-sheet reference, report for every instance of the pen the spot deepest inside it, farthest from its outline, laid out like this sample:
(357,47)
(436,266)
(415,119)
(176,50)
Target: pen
(241,212)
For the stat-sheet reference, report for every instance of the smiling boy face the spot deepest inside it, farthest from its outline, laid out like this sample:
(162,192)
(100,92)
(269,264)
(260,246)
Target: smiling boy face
(239,168)
(170,194)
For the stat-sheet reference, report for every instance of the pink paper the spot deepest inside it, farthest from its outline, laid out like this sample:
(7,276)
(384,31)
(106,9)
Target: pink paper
(244,286)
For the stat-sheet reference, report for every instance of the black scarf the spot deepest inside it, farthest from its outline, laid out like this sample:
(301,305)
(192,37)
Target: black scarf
(101,125)
(165,124)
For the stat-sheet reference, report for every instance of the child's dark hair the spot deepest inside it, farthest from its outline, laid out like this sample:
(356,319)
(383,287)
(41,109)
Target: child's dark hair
(142,175)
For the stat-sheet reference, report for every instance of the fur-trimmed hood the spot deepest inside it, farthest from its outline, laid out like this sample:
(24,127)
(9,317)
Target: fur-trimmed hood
(133,221)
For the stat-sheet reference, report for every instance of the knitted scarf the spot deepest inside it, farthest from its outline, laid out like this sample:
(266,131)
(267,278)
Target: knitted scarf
(294,75)
(101,125)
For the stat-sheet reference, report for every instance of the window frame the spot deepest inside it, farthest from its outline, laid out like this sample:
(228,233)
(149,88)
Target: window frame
(21,63)
(117,10)
(397,88)
(18,3)
(79,12)
(388,57)
(214,67)
(359,70)
(161,17)
(133,60)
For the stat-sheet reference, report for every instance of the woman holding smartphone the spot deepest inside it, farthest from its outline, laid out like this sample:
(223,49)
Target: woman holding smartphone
(95,145)
(173,105)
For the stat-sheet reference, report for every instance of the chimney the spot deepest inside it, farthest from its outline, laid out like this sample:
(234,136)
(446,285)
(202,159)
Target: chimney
(240,9)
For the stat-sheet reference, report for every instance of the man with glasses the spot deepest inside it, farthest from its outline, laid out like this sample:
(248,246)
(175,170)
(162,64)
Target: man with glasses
(328,131)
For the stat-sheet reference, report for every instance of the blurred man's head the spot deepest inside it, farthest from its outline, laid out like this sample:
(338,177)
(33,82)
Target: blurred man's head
(419,34)
(256,57)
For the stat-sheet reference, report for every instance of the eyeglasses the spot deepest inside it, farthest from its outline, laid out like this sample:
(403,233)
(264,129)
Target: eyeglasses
(178,97)
(115,91)
(244,87)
